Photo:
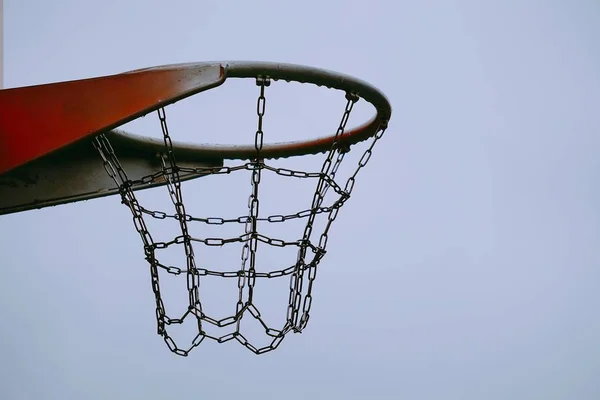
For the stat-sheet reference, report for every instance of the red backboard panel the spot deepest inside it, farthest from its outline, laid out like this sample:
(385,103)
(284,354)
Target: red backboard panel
(38,120)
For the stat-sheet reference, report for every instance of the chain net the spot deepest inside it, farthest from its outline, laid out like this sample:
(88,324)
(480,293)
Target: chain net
(311,247)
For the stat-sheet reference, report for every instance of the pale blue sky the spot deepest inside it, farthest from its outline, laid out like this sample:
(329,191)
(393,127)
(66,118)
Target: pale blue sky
(465,266)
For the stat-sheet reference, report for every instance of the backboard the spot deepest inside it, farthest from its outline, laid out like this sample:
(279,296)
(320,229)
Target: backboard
(46,132)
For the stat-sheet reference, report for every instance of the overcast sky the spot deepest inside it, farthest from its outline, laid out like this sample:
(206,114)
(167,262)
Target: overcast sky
(465,265)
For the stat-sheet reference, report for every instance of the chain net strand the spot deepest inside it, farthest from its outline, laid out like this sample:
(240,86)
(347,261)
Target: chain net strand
(301,274)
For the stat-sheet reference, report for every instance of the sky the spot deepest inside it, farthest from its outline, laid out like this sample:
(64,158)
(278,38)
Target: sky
(464,266)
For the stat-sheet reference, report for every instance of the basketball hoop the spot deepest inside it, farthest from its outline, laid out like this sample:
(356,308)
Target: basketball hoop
(176,164)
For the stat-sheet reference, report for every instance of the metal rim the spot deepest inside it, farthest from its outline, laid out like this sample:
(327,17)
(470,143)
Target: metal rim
(287,72)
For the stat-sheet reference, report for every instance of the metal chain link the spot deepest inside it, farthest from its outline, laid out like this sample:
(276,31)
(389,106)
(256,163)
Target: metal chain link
(302,273)
(319,196)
